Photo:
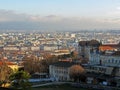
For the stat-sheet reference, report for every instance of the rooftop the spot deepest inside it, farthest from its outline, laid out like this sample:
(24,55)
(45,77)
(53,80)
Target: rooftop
(89,43)
(63,64)
(109,47)
(8,63)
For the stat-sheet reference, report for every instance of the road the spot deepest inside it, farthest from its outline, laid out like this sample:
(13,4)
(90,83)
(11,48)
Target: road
(97,87)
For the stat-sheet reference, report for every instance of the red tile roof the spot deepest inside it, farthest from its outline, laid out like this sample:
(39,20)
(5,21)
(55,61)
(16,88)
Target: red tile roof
(107,47)
(8,63)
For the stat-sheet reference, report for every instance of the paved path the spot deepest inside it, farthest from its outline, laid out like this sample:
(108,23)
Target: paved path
(100,87)
(51,83)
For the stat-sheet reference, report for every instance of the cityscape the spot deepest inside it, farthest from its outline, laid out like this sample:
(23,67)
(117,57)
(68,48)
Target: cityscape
(63,45)
(48,56)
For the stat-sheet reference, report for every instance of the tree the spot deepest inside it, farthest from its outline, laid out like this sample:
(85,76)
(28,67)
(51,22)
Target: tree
(20,79)
(32,65)
(77,73)
(5,72)
(74,55)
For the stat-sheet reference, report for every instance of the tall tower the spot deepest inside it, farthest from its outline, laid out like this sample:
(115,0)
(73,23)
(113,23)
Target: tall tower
(86,47)
(83,45)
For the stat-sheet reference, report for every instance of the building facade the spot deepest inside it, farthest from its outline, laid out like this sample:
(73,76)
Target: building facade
(103,60)
(59,71)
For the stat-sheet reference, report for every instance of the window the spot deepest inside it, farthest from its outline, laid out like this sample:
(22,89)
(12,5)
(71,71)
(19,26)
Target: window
(109,61)
(112,60)
(116,61)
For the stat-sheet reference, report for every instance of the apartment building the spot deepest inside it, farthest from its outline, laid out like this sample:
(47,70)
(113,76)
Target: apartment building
(104,60)
(59,71)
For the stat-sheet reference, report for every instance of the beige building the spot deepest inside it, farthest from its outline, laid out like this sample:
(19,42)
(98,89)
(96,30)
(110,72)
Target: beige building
(13,66)
(50,47)
(59,71)
(11,48)
(35,48)
(24,48)
(60,52)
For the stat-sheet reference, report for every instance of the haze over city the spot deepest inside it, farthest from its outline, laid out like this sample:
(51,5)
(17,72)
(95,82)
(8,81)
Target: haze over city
(60,45)
(57,15)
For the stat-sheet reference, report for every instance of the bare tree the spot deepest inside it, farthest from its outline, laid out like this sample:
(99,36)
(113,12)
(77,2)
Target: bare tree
(5,72)
(77,73)
(32,65)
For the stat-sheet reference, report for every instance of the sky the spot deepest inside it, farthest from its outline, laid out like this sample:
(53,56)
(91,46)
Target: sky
(59,15)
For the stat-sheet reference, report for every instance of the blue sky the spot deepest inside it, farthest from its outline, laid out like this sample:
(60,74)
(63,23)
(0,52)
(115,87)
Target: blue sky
(54,14)
(61,7)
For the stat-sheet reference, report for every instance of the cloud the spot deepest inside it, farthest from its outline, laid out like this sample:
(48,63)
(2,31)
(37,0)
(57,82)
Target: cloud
(50,18)
(114,13)
(12,16)
(10,20)
(118,8)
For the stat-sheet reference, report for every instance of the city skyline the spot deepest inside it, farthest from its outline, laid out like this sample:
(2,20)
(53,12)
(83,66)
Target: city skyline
(60,15)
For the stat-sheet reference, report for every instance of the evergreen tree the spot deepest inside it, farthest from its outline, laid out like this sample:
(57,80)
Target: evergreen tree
(20,79)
